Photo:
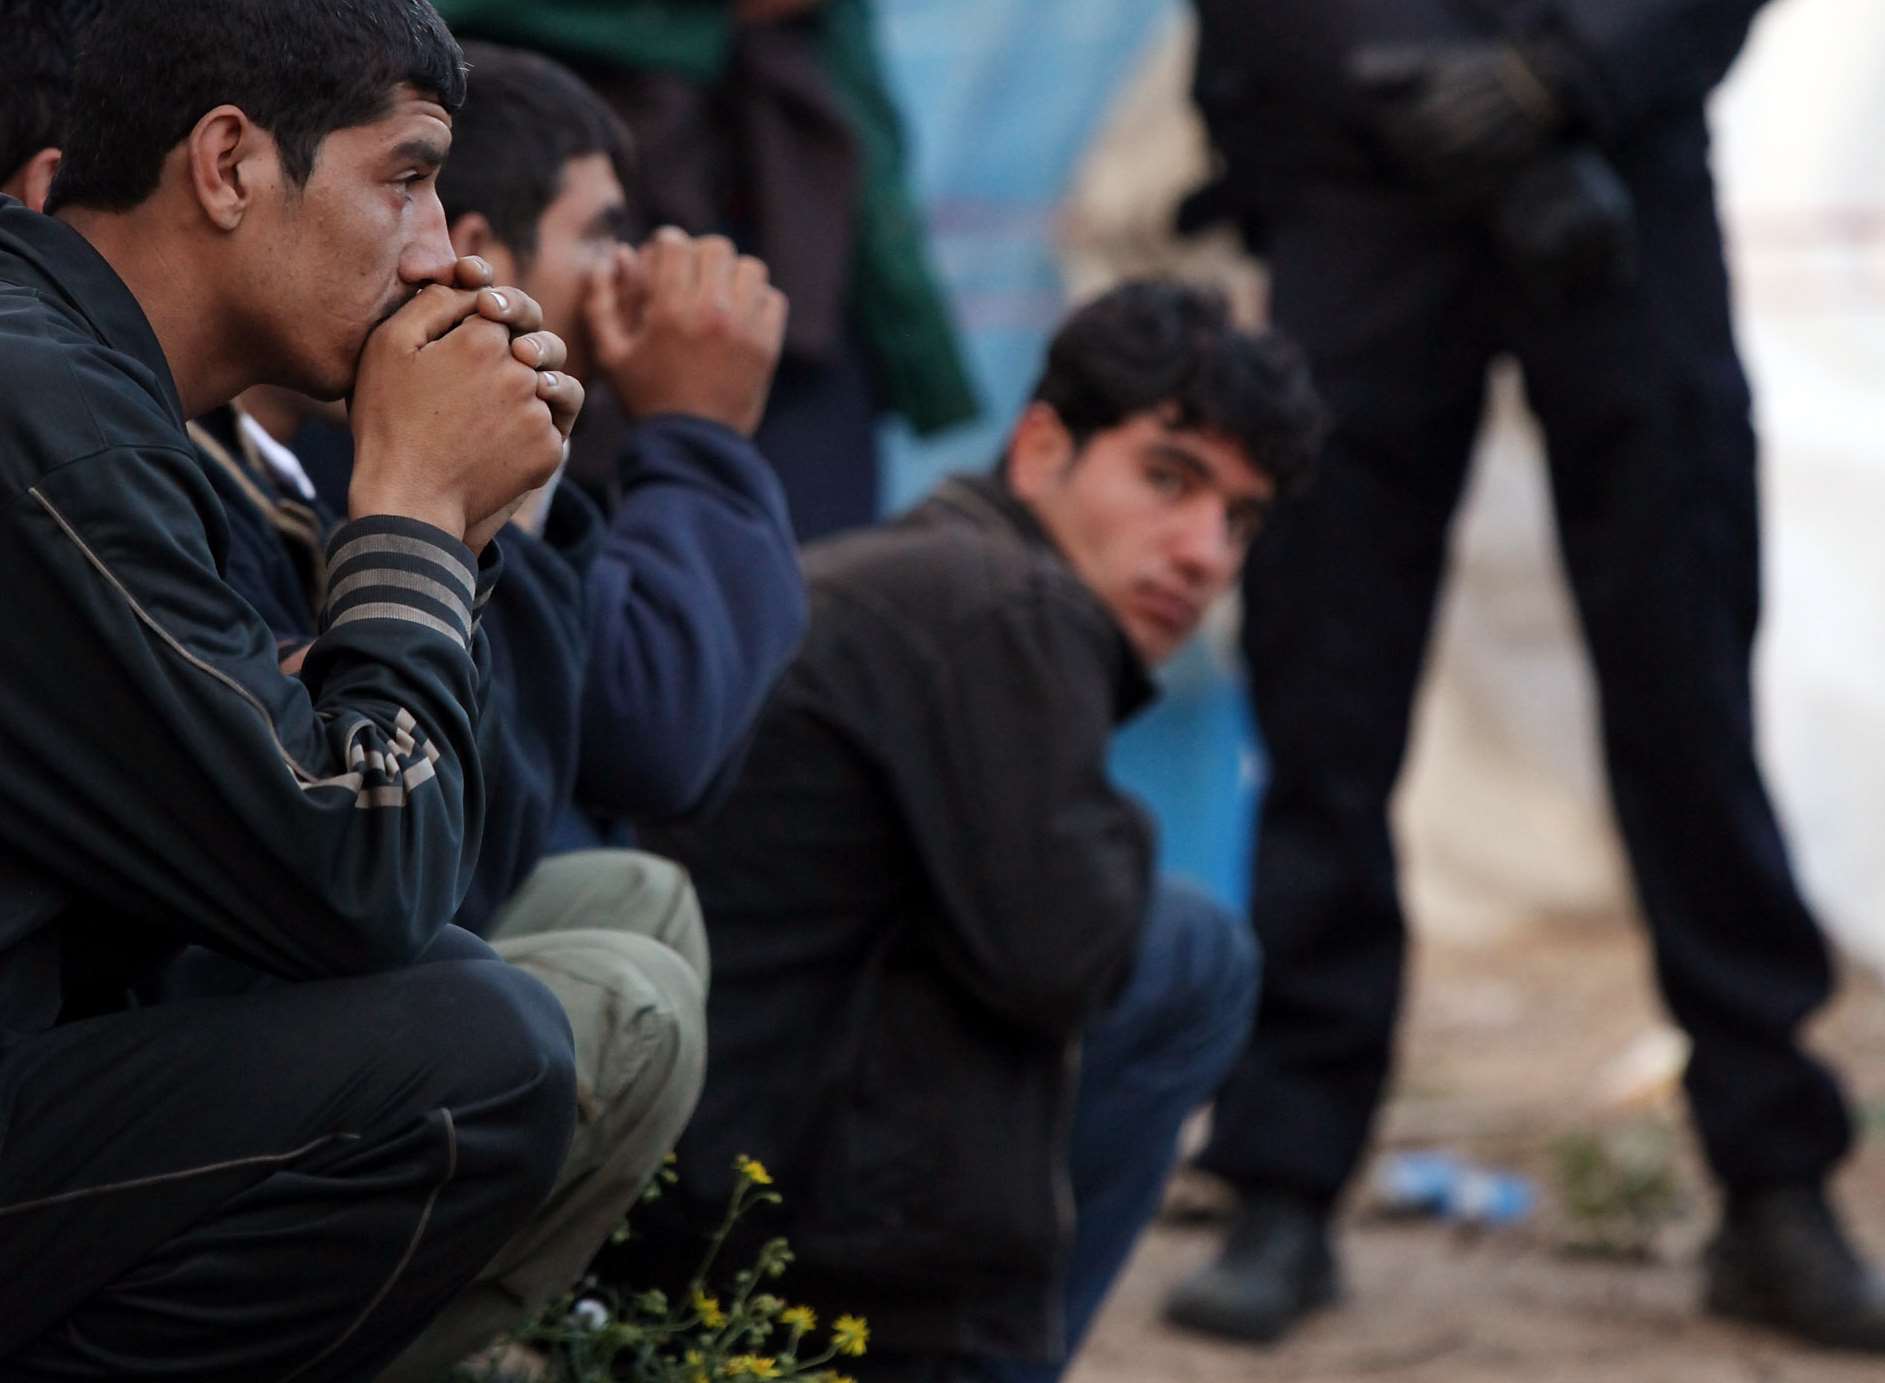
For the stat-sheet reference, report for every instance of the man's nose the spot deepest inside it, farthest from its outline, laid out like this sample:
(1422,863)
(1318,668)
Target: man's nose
(1204,547)
(428,256)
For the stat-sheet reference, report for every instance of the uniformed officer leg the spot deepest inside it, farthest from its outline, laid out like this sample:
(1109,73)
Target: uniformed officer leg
(1338,602)
(285,1184)
(1654,474)
(616,936)
(1653,468)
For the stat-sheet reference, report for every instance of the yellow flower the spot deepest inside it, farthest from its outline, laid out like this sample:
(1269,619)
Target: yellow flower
(798,1317)
(751,1366)
(753,1170)
(850,1335)
(711,1315)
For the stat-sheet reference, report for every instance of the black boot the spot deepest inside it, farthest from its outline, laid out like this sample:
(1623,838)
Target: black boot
(1781,1259)
(1276,1267)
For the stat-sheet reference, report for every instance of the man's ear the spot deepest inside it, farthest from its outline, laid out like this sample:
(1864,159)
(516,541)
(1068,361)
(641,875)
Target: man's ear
(1039,450)
(33,180)
(228,159)
(472,235)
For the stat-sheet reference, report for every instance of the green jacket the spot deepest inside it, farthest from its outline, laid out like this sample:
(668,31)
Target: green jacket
(895,296)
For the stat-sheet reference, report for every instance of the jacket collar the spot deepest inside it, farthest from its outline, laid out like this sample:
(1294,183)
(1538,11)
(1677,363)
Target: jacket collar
(44,253)
(987,503)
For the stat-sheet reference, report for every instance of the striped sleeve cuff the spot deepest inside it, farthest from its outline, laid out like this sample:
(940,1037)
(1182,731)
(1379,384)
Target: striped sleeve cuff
(490,568)
(401,569)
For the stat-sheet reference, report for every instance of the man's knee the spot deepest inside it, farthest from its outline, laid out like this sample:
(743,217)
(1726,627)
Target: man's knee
(1217,947)
(495,1044)
(637,1010)
(1198,971)
(662,892)
(627,891)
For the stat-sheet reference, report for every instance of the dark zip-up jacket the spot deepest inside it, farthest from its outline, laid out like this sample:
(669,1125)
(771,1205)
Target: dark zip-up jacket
(161,781)
(630,655)
(922,888)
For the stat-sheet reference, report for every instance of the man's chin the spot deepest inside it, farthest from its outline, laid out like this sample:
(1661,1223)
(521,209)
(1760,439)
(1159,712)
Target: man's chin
(330,386)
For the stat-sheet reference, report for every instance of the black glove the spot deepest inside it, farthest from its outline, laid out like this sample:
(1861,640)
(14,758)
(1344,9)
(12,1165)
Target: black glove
(1460,116)
(1223,201)
(1567,226)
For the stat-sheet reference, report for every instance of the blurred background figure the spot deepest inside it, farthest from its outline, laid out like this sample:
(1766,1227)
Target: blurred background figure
(35,84)
(1435,184)
(770,121)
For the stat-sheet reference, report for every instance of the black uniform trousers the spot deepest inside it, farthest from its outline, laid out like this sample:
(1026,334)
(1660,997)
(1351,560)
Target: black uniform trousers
(283,1184)
(1652,465)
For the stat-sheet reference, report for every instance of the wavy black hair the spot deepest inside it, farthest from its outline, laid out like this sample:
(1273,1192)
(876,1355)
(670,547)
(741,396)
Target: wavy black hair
(36,58)
(1160,346)
(148,70)
(526,117)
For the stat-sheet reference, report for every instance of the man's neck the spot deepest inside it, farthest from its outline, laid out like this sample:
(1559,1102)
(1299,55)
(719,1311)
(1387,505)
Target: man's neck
(177,301)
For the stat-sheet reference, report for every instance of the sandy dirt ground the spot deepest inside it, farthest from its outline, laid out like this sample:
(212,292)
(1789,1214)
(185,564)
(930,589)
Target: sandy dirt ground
(1505,1043)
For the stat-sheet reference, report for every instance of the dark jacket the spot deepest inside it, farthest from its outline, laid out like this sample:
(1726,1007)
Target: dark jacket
(920,891)
(630,656)
(161,781)
(1270,77)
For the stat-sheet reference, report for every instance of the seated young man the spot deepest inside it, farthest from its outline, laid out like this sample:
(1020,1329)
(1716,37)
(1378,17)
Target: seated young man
(630,655)
(954,1011)
(289,1182)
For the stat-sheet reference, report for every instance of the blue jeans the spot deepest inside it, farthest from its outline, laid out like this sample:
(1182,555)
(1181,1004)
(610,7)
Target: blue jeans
(1157,1054)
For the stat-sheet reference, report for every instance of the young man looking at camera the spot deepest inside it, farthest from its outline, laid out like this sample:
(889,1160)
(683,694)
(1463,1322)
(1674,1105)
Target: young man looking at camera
(954,1010)
(287,1183)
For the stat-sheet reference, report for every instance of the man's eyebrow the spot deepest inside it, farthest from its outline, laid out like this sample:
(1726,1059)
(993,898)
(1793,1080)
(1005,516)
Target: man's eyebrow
(429,152)
(1180,456)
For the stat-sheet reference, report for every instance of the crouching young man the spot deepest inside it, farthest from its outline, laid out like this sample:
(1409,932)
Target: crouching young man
(631,653)
(286,1183)
(954,1011)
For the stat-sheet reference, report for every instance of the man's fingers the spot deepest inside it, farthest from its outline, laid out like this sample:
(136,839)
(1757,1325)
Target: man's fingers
(473,272)
(541,350)
(433,311)
(774,309)
(632,286)
(512,307)
(751,279)
(714,261)
(670,259)
(564,396)
(602,309)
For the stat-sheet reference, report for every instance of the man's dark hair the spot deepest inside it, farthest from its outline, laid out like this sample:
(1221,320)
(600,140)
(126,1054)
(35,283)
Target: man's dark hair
(38,41)
(1157,346)
(526,118)
(148,70)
